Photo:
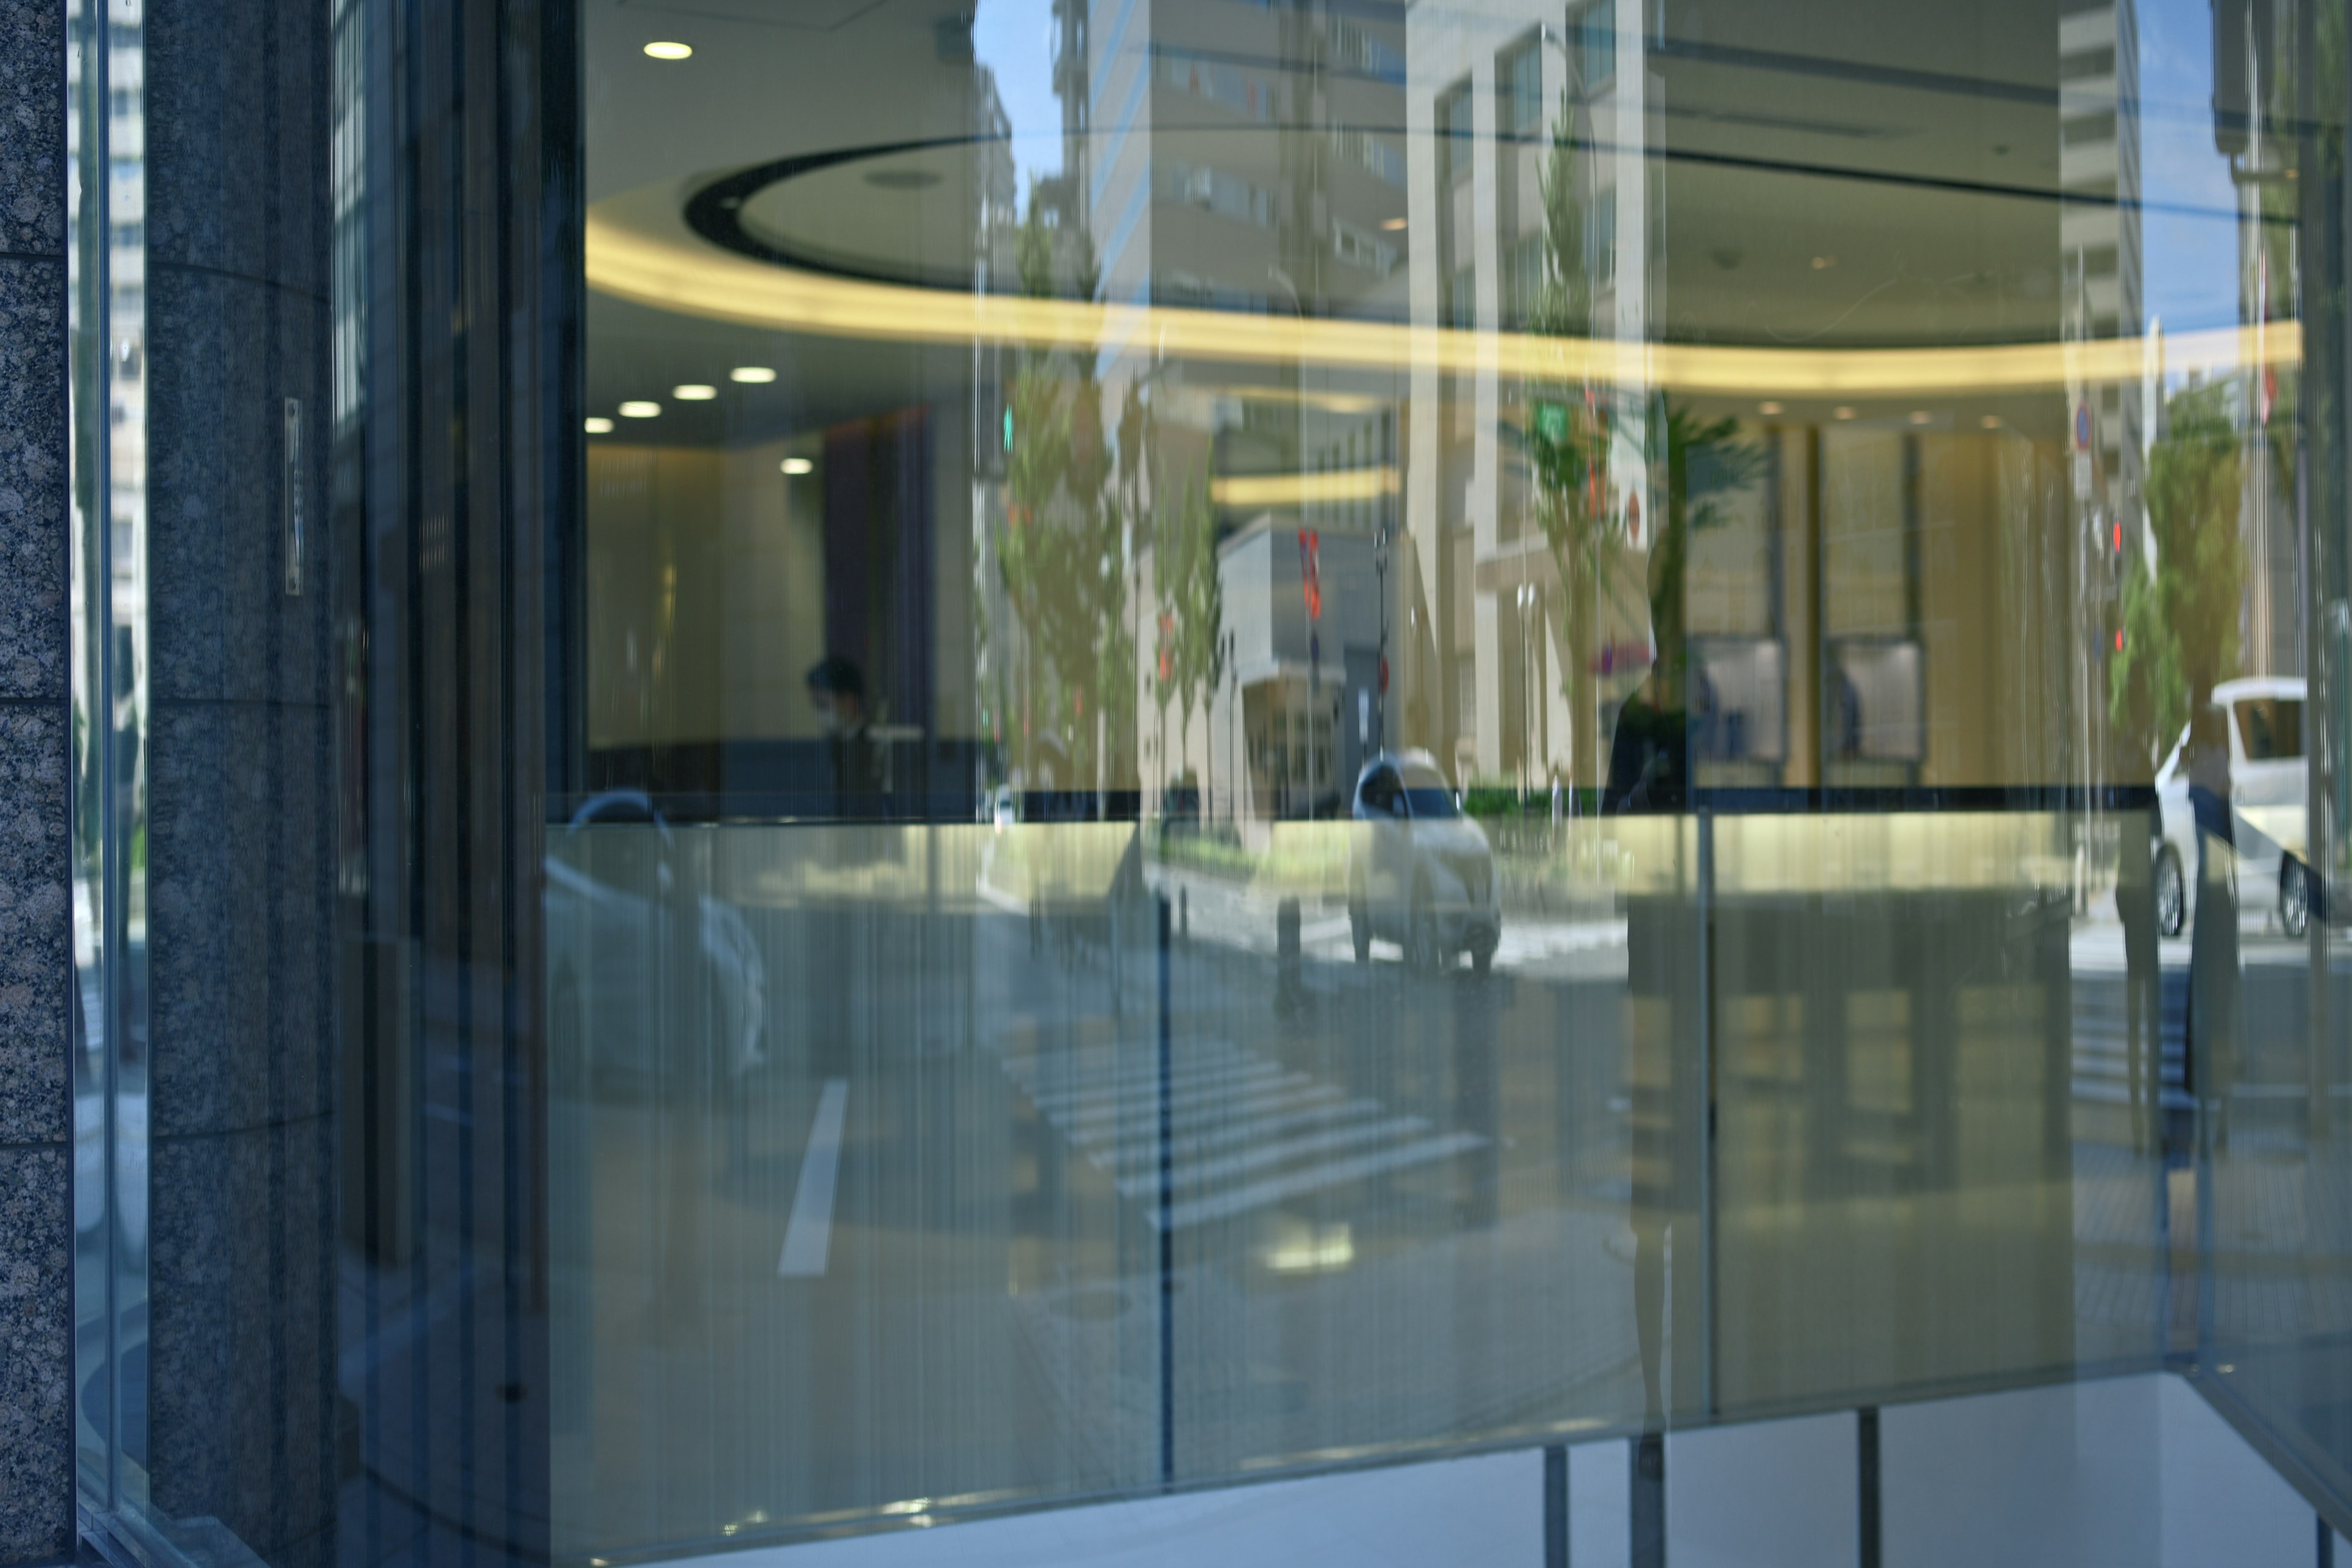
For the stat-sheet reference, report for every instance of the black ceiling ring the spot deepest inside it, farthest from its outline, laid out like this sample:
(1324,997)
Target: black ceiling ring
(715,211)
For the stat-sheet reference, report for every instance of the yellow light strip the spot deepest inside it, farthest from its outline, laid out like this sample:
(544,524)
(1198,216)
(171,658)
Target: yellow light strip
(1300,490)
(685,276)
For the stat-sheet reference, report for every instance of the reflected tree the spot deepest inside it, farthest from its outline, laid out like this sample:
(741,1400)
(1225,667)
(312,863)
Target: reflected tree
(1061,555)
(2181,606)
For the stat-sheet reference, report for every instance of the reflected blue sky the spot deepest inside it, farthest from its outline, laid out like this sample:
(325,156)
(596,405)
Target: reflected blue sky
(2191,261)
(1014,38)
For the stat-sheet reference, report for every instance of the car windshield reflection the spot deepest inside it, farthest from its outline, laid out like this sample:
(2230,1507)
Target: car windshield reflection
(1425,791)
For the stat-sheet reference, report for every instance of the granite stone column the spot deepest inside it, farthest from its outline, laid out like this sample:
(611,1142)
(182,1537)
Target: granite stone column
(241,769)
(36,909)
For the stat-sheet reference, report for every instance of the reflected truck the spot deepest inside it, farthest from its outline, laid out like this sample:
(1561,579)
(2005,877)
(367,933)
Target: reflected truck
(1420,873)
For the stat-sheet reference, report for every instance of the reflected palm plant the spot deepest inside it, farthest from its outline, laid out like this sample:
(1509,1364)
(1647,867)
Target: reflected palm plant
(1567,443)
(1567,436)
(1705,464)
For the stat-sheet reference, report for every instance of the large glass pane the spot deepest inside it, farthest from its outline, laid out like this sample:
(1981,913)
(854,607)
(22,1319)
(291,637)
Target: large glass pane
(1280,734)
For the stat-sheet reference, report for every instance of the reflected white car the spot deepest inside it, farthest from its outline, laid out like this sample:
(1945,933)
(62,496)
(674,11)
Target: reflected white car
(2270,784)
(1420,873)
(612,943)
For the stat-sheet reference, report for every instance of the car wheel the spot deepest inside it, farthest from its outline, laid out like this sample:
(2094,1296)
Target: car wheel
(1482,959)
(2294,897)
(1360,927)
(2171,893)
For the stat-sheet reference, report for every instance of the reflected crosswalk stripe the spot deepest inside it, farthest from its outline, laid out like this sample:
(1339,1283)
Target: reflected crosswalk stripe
(1265,1154)
(1274,1189)
(1229,1092)
(1145,1122)
(1231,1116)
(1081,1101)
(1134,1158)
(1136,1059)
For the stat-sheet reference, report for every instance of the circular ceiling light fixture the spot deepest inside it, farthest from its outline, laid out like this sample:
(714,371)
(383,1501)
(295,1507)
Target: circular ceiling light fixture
(664,49)
(1839,413)
(694,391)
(597,425)
(796,466)
(751,374)
(639,409)
(1395,223)
(1768,409)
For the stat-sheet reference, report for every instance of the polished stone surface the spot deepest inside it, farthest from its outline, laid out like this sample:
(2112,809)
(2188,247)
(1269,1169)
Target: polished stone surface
(237,149)
(240,766)
(36,1436)
(32,476)
(240,937)
(226,354)
(36,925)
(32,127)
(241,1344)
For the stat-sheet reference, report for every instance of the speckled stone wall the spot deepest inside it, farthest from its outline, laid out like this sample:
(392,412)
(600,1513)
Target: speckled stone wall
(241,1341)
(242,800)
(35,919)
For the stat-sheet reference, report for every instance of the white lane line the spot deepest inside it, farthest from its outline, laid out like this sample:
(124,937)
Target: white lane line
(1274,1189)
(808,1235)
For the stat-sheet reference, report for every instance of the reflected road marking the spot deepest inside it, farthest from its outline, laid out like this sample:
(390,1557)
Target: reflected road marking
(809,1233)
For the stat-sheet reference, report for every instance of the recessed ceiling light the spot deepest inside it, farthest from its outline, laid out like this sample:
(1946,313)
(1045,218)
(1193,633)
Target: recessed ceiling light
(1921,417)
(751,374)
(639,410)
(1991,421)
(1839,413)
(797,466)
(597,425)
(1393,224)
(694,391)
(669,51)
(1768,408)
(1821,263)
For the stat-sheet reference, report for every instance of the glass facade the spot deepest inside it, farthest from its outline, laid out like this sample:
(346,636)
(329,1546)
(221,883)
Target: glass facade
(1069,748)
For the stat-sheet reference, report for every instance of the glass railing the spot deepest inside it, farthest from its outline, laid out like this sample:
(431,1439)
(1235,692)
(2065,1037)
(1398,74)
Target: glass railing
(907,1171)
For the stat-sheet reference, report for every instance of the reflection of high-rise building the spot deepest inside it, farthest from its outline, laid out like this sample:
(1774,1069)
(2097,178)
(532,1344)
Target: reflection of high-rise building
(1487,688)
(2252,48)
(1252,159)
(2099,238)
(2101,300)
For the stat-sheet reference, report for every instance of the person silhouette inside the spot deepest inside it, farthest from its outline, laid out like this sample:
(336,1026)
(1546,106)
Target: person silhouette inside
(836,689)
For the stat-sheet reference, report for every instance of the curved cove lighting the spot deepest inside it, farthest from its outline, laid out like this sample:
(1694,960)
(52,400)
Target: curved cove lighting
(638,250)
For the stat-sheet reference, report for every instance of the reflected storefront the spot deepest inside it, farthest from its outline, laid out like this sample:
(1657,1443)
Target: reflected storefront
(1086,747)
